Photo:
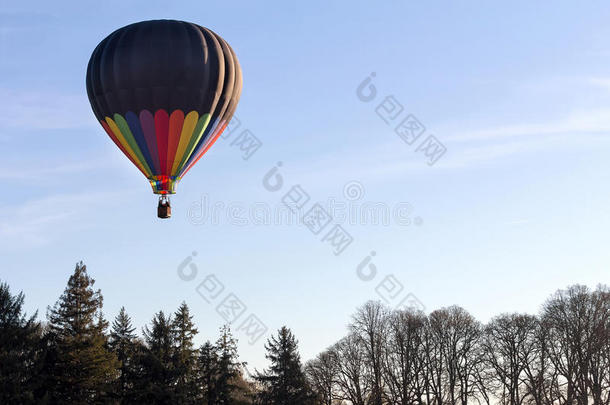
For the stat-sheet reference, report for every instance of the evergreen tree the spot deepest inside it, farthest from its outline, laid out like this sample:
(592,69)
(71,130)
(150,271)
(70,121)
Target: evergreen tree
(156,384)
(228,369)
(208,372)
(123,343)
(83,368)
(19,355)
(47,386)
(220,370)
(184,356)
(284,383)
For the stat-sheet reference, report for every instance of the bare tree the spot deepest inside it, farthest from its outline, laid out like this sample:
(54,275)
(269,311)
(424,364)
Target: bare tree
(322,375)
(599,345)
(434,360)
(453,355)
(561,357)
(369,324)
(508,348)
(403,368)
(540,375)
(578,326)
(353,382)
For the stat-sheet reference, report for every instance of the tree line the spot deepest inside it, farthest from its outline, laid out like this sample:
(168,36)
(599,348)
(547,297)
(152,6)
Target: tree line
(388,357)
(77,357)
(561,356)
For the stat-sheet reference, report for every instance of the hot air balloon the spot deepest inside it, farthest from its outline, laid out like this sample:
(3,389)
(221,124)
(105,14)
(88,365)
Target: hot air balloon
(163,91)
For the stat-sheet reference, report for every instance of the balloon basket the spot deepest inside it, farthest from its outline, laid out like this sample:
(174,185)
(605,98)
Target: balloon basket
(164,209)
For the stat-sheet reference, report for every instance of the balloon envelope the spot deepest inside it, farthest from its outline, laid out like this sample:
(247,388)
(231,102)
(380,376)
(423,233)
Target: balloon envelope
(164,91)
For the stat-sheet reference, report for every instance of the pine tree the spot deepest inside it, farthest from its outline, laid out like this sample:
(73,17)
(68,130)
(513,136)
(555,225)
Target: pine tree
(123,342)
(156,384)
(19,354)
(184,356)
(83,368)
(208,372)
(229,368)
(220,370)
(284,383)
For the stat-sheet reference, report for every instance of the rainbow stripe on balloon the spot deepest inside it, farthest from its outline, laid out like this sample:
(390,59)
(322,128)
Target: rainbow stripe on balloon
(163,146)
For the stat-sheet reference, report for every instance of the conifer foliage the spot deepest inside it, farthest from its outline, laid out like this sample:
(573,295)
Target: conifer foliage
(184,355)
(123,342)
(84,367)
(284,383)
(220,370)
(19,353)
(389,357)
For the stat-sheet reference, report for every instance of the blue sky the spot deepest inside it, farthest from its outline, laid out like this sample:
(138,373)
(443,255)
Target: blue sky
(519,94)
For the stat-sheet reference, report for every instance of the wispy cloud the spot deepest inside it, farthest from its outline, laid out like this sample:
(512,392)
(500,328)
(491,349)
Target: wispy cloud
(518,222)
(38,221)
(603,82)
(392,159)
(39,171)
(29,109)
(592,123)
